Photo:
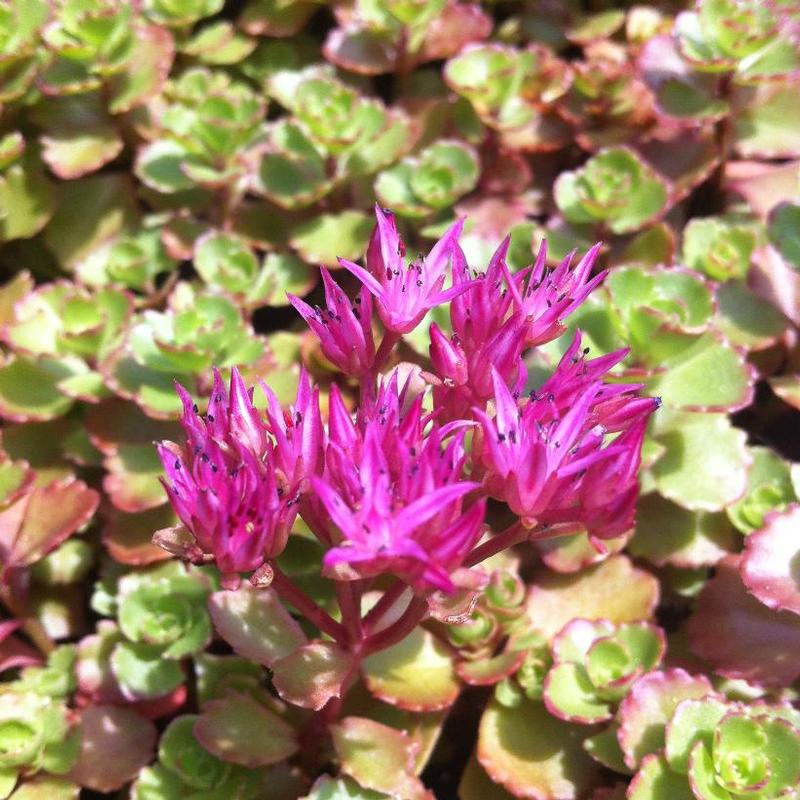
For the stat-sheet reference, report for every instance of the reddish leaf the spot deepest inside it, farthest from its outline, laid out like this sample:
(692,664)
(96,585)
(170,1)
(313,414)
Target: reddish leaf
(740,636)
(770,565)
(115,744)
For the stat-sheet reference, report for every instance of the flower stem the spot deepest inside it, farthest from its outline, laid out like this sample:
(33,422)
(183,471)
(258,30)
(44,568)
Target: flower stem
(386,601)
(349,604)
(399,629)
(291,593)
(512,535)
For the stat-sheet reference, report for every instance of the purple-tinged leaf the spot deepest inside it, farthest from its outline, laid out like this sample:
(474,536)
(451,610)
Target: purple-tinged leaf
(255,624)
(115,744)
(740,636)
(770,564)
(645,712)
(313,674)
(241,730)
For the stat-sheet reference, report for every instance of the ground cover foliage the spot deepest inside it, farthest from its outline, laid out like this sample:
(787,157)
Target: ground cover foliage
(322,476)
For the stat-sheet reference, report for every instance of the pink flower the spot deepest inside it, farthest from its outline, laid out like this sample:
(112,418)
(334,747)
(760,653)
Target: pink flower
(344,330)
(222,483)
(543,298)
(393,489)
(299,436)
(499,319)
(405,293)
(550,459)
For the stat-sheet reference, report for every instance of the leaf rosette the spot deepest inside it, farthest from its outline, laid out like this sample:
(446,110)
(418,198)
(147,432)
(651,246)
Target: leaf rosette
(594,665)
(715,750)
(166,609)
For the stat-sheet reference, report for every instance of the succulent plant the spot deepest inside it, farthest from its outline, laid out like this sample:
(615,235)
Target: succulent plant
(594,666)
(724,749)
(450,467)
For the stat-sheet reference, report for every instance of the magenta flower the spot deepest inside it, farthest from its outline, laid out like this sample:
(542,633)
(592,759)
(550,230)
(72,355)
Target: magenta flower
(544,298)
(344,329)
(405,293)
(499,319)
(421,541)
(550,459)
(223,485)
(299,436)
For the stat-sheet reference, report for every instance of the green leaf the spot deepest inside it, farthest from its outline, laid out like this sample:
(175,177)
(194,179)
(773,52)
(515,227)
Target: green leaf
(570,695)
(655,781)
(91,211)
(416,674)
(705,463)
(667,533)
(528,751)
(693,721)
(225,262)
(746,319)
(769,488)
(604,748)
(27,198)
(616,187)
(180,752)
(377,756)
(764,121)
(29,388)
(440,175)
(242,731)
(719,248)
(142,672)
(255,624)
(331,236)
(783,230)
(613,590)
(327,788)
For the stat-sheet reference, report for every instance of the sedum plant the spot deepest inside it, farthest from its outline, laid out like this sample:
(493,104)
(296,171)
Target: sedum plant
(495,499)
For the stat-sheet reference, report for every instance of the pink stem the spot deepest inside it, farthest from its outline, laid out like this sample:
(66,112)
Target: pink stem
(512,535)
(386,601)
(351,612)
(399,629)
(293,594)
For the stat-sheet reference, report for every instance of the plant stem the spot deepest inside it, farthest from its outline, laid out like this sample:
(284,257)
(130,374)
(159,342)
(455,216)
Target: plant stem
(399,629)
(30,626)
(349,604)
(368,379)
(291,593)
(512,535)
(386,601)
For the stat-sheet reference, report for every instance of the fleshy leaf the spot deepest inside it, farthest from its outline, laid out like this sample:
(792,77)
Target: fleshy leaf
(739,635)
(532,754)
(614,590)
(616,187)
(649,706)
(771,561)
(312,674)
(255,624)
(704,466)
(115,744)
(570,695)
(693,721)
(329,237)
(656,781)
(242,731)
(378,757)
(666,533)
(416,674)
(142,672)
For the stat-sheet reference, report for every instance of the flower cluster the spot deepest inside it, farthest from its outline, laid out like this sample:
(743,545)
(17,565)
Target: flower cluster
(400,486)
